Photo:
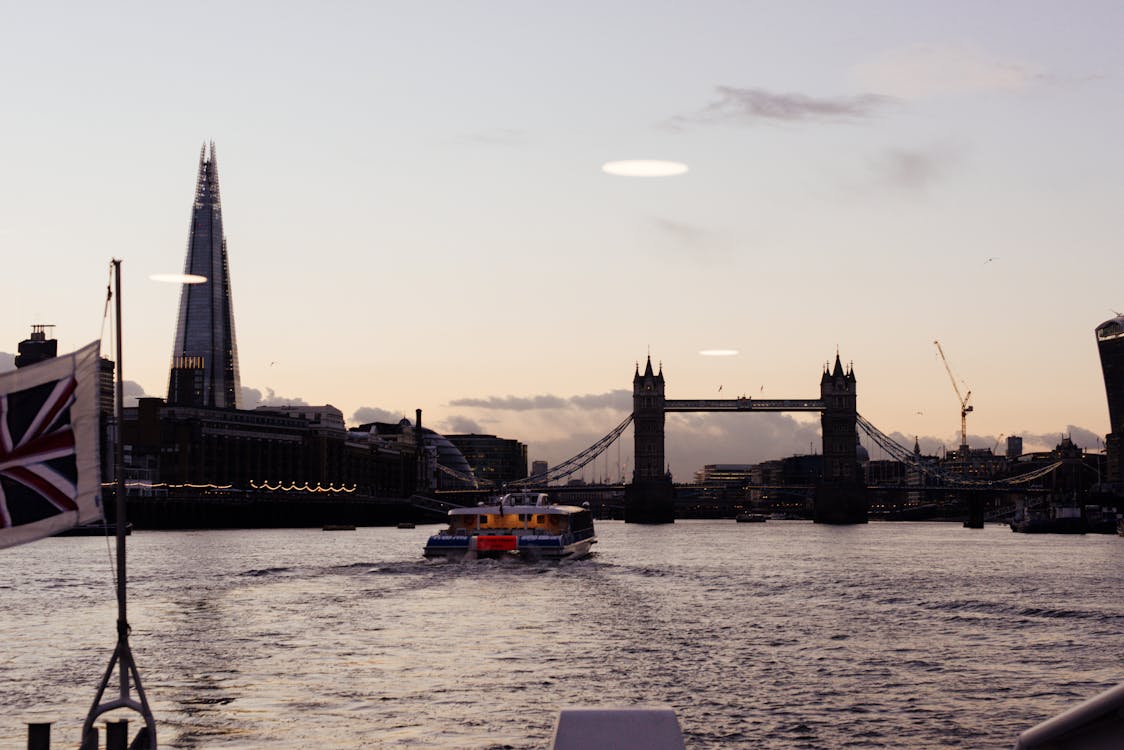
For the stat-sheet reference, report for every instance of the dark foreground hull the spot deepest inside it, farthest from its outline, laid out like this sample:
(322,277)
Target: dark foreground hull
(269,511)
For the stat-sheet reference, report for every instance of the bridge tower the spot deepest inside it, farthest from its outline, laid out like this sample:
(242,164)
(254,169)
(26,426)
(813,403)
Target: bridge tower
(841,494)
(650,498)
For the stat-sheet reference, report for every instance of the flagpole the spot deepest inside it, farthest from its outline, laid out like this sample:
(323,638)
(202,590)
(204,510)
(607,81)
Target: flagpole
(119,474)
(122,655)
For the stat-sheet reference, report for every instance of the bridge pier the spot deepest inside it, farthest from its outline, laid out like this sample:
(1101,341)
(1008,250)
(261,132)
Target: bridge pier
(841,503)
(975,504)
(649,501)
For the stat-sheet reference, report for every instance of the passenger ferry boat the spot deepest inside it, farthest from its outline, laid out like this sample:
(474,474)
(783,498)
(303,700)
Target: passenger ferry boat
(524,525)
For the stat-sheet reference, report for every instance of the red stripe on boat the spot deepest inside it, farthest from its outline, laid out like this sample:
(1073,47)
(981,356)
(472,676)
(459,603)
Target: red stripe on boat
(495,543)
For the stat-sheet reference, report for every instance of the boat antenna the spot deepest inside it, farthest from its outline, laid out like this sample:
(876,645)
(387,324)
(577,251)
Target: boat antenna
(122,655)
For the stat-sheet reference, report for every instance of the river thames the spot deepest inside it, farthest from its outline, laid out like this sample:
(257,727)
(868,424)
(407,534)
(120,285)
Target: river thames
(777,635)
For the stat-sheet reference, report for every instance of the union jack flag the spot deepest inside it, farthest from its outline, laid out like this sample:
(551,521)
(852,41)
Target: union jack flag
(49,471)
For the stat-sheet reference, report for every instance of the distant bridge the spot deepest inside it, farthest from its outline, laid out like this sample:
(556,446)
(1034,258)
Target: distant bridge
(839,482)
(742,404)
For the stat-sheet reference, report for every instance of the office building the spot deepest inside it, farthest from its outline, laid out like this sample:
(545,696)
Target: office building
(1110,346)
(492,458)
(204,370)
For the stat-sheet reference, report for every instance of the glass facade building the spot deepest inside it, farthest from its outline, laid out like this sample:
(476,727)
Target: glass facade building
(204,371)
(1110,346)
(493,458)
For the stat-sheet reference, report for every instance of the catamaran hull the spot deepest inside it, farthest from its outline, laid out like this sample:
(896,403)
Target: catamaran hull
(468,550)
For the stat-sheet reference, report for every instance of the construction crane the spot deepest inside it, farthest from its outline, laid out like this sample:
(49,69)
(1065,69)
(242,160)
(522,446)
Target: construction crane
(964,407)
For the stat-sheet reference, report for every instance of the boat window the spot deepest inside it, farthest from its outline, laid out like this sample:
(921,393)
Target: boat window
(540,519)
(581,520)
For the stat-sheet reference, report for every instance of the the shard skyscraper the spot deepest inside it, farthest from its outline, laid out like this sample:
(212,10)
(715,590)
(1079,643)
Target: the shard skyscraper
(204,369)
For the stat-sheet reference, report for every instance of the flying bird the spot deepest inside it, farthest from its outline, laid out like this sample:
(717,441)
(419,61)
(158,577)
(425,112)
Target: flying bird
(989,260)
(719,389)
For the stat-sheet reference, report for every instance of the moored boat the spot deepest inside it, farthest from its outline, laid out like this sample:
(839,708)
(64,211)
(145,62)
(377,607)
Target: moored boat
(751,518)
(524,525)
(1058,519)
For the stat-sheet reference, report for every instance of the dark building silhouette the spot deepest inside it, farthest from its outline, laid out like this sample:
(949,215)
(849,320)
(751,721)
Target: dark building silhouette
(492,458)
(267,446)
(650,498)
(440,463)
(1110,345)
(841,496)
(648,422)
(194,467)
(204,370)
(37,347)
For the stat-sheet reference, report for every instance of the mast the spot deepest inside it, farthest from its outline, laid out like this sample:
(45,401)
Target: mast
(122,655)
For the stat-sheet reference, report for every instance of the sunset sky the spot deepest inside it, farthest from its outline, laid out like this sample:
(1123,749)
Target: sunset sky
(417,217)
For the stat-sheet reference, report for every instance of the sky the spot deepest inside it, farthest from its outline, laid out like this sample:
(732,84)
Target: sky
(416,214)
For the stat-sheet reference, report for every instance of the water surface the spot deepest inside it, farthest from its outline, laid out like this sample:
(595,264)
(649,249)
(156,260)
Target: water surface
(777,635)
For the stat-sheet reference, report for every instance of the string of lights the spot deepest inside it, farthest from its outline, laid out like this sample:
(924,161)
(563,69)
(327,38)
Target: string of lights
(166,485)
(264,485)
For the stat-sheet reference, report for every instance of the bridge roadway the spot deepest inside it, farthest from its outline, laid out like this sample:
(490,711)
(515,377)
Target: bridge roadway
(743,404)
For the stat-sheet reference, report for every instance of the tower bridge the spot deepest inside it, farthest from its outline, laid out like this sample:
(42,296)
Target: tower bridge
(840,495)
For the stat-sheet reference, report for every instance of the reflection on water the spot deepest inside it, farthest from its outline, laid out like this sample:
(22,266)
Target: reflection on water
(777,635)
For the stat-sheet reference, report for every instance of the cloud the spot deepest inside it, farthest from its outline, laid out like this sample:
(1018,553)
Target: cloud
(1084,438)
(131,392)
(620,399)
(930,446)
(461,425)
(927,70)
(914,169)
(512,403)
(368,414)
(693,440)
(252,398)
(7,361)
(1046,441)
(751,105)
(687,240)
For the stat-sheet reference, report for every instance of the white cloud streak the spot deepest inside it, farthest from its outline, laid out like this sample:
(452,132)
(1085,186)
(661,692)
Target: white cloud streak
(923,71)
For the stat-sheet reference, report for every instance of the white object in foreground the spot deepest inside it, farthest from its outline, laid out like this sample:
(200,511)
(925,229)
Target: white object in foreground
(617,729)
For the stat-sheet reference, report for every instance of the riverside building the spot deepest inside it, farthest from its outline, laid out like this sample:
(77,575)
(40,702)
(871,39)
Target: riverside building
(492,458)
(1110,346)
